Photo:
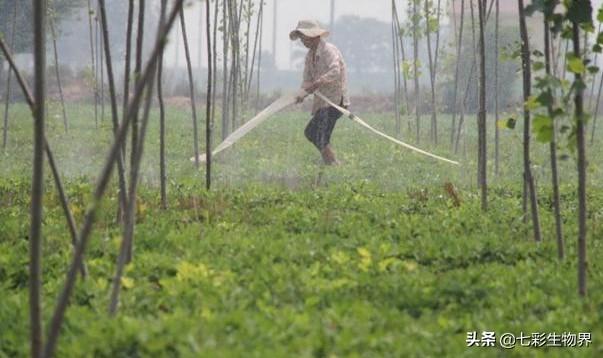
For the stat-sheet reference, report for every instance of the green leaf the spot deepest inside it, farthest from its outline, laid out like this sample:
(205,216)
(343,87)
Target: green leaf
(532,103)
(508,123)
(545,98)
(575,64)
(557,20)
(579,11)
(530,9)
(593,69)
(538,66)
(542,127)
(558,112)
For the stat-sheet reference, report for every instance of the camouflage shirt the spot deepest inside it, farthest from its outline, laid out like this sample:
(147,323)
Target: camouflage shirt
(327,65)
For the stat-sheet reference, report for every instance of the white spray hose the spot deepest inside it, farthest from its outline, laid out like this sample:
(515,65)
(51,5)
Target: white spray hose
(280,104)
(365,125)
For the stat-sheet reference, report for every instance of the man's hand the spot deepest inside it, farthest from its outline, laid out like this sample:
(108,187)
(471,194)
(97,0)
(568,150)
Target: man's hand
(300,99)
(313,86)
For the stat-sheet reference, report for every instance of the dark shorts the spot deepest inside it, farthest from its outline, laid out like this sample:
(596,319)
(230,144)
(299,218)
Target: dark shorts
(319,130)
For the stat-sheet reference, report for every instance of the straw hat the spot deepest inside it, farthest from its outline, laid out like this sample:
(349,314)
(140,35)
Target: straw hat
(309,28)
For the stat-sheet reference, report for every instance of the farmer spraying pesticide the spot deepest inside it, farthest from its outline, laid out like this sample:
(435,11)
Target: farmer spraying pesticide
(324,76)
(324,71)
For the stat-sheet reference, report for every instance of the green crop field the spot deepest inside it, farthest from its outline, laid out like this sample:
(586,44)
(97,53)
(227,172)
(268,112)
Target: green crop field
(287,258)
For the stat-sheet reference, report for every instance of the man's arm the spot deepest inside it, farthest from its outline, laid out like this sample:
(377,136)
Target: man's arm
(333,58)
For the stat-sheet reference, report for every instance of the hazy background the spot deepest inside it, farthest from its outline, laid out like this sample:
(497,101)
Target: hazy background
(361,29)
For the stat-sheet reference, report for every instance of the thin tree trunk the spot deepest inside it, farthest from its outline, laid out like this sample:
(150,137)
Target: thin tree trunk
(434,126)
(225,82)
(527,90)
(459,131)
(579,114)
(93,62)
(102,71)
(553,149)
(214,66)
(137,69)
(435,64)
(125,252)
(255,47)
(415,37)
(396,70)
(437,44)
(209,105)
(596,113)
(99,65)
(403,60)
(191,88)
(456,73)
(162,166)
(113,97)
(51,162)
(245,82)
(592,84)
(234,24)
(469,79)
(257,90)
(556,51)
(8,80)
(128,61)
(37,185)
(200,48)
(240,80)
(481,118)
(231,76)
(463,106)
(563,70)
(103,180)
(56,70)
(135,131)
(64,203)
(2,74)
(496,114)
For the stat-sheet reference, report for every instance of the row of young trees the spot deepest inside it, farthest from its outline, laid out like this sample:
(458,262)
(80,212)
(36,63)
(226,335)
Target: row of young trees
(241,62)
(547,111)
(547,106)
(423,22)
